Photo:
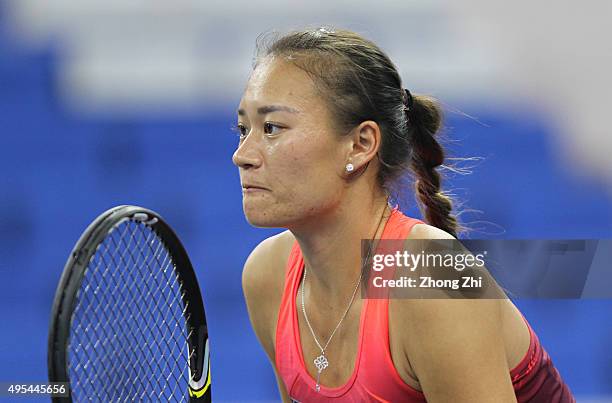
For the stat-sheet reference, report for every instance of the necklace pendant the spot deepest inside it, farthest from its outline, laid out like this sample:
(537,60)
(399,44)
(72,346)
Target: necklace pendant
(321,363)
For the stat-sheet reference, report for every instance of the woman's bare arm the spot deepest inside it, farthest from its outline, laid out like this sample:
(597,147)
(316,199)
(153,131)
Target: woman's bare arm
(456,346)
(262,284)
(456,349)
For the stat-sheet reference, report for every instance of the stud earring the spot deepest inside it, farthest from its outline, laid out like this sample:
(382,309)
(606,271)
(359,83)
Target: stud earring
(349,167)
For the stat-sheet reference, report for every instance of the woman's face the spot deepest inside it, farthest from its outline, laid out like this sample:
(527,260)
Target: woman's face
(290,158)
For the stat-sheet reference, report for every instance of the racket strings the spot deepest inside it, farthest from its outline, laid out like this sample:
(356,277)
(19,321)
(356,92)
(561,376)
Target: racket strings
(129,336)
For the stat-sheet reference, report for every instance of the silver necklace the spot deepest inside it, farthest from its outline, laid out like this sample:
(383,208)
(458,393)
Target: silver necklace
(321,361)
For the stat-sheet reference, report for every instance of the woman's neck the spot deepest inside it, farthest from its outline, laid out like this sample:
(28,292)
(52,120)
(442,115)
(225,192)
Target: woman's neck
(332,249)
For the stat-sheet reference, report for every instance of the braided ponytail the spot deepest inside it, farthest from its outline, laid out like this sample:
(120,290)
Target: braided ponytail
(424,119)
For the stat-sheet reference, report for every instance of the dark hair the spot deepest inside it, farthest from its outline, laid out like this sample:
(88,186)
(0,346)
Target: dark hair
(360,83)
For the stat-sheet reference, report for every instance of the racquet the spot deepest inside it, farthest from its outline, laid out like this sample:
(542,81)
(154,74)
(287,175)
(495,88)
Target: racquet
(128,322)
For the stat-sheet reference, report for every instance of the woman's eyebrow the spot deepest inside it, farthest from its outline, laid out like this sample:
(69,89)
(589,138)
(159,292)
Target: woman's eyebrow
(269,109)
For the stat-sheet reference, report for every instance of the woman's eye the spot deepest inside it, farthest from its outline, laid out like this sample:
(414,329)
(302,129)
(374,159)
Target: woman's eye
(270,127)
(241,130)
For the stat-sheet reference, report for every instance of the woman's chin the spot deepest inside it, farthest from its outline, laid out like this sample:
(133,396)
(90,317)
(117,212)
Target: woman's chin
(261,219)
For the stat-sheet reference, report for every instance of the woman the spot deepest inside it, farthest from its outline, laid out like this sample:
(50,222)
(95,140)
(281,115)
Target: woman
(326,129)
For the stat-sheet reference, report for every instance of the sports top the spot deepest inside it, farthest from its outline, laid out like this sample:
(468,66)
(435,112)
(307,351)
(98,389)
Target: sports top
(375,378)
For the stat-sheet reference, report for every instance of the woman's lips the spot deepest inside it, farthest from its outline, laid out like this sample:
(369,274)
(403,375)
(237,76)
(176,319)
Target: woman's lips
(253,189)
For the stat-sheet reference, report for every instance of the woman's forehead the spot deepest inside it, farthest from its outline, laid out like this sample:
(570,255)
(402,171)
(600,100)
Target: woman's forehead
(275,79)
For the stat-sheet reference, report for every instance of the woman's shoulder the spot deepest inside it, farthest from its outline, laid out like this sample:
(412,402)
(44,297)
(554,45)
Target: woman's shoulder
(470,334)
(433,317)
(265,266)
(425,231)
(263,280)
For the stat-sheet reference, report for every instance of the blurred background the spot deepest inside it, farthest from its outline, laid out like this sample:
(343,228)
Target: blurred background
(115,102)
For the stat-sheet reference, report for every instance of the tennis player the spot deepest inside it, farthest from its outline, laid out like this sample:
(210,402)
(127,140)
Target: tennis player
(326,130)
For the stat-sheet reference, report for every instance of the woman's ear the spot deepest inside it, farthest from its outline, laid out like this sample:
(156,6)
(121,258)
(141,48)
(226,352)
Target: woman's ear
(365,143)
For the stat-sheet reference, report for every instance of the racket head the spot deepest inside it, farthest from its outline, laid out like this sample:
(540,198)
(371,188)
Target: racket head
(181,291)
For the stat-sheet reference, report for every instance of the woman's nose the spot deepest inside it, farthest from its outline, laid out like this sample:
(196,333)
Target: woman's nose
(247,154)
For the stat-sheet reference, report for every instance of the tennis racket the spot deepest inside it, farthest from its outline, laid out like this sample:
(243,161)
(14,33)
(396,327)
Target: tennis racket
(128,321)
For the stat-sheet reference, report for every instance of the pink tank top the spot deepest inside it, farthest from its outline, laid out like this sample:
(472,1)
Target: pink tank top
(374,377)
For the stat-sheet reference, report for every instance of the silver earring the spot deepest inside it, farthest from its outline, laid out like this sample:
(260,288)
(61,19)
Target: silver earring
(349,167)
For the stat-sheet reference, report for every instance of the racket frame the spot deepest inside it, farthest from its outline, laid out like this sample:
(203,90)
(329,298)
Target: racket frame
(65,299)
